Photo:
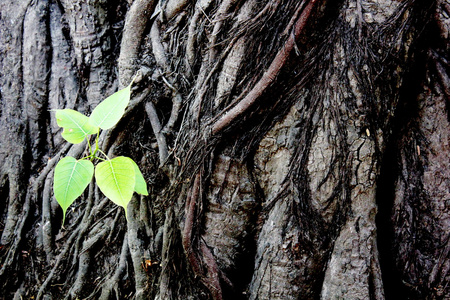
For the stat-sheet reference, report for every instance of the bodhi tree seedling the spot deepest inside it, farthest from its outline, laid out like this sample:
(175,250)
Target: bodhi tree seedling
(117,178)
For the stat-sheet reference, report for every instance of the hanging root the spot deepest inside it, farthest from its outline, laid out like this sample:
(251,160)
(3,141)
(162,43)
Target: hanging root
(189,224)
(218,23)
(112,283)
(86,227)
(61,256)
(47,235)
(192,32)
(168,236)
(157,47)
(270,75)
(14,246)
(157,130)
(233,61)
(84,260)
(33,192)
(161,60)
(133,32)
(136,248)
(211,280)
(173,7)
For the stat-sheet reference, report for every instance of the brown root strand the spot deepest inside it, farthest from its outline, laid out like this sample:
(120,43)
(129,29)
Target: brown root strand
(268,76)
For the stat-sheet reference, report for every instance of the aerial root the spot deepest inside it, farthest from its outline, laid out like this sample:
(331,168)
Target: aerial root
(173,7)
(136,246)
(218,23)
(190,206)
(14,246)
(60,257)
(211,280)
(46,178)
(191,41)
(167,238)
(157,47)
(86,227)
(47,235)
(136,20)
(112,283)
(270,75)
(157,130)
(86,221)
(161,60)
(84,260)
(37,184)
(177,101)
(192,33)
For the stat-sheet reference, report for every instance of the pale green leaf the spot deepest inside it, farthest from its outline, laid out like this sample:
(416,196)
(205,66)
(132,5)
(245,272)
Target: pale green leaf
(70,180)
(110,110)
(76,125)
(140,186)
(116,180)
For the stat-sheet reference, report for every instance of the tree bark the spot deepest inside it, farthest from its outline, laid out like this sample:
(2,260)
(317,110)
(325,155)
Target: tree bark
(292,149)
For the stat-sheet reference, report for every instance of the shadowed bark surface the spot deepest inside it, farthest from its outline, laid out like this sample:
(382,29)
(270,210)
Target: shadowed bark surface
(292,149)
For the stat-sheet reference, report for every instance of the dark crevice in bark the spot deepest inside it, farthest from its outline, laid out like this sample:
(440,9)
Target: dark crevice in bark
(408,116)
(4,197)
(392,278)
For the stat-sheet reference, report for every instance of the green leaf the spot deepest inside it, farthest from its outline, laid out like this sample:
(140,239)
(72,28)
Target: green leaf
(70,180)
(76,125)
(140,186)
(110,110)
(116,179)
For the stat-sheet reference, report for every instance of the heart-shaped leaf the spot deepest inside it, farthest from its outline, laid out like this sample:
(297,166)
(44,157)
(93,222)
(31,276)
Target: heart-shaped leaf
(76,125)
(116,179)
(110,110)
(70,180)
(140,186)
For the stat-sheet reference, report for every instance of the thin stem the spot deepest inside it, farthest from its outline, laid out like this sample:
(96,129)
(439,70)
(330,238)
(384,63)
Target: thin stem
(89,145)
(96,142)
(107,158)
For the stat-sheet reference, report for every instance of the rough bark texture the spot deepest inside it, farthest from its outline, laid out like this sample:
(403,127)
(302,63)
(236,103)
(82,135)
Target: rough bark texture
(293,149)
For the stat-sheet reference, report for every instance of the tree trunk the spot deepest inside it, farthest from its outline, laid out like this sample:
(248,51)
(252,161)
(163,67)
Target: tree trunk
(292,149)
